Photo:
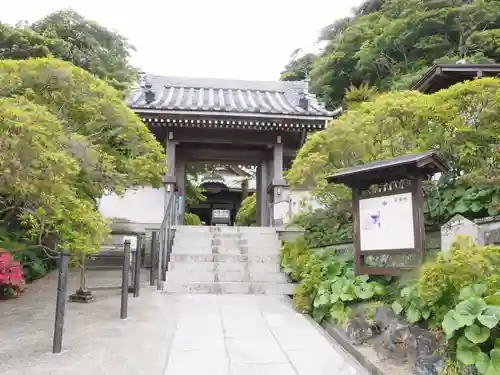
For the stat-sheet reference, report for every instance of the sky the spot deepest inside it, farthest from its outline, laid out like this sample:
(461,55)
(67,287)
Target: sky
(204,38)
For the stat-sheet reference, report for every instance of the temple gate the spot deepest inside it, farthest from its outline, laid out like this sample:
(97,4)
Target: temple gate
(229,122)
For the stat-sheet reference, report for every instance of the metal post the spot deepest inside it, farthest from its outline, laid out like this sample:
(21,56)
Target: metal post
(171,223)
(132,270)
(153,259)
(62,284)
(161,250)
(125,271)
(137,266)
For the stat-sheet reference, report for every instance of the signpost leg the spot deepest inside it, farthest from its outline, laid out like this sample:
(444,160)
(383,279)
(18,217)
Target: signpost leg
(62,284)
(125,272)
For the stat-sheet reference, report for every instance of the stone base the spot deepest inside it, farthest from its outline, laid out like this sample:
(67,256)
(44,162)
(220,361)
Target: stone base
(82,296)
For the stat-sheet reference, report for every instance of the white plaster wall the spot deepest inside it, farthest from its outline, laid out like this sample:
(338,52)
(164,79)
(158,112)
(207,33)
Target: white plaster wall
(143,205)
(301,200)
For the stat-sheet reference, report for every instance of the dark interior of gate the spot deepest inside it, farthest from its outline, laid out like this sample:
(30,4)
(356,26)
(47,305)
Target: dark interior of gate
(232,123)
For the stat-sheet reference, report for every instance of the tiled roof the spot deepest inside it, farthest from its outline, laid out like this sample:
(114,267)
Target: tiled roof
(225,95)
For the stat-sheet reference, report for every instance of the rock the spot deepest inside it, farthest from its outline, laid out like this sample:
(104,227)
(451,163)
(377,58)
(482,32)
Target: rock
(397,342)
(430,365)
(426,345)
(385,317)
(405,342)
(358,330)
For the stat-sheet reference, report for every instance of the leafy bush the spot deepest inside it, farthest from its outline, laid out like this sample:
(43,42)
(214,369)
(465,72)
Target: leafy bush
(191,219)
(11,275)
(34,260)
(444,200)
(66,139)
(325,227)
(472,327)
(247,214)
(441,282)
(327,284)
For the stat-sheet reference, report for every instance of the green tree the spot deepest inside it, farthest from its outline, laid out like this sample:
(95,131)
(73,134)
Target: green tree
(299,67)
(38,174)
(389,44)
(69,36)
(463,122)
(102,146)
(247,214)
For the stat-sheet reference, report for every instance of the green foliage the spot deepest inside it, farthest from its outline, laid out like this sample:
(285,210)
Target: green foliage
(327,284)
(325,227)
(389,44)
(299,67)
(112,146)
(357,95)
(463,122)
(247,213)
(472,326)
(66,138)
(469,270)
(34,260)
(191,219)
(68,36)
(444,200)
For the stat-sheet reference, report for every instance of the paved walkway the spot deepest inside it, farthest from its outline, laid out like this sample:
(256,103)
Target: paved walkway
(250,335)
(165,335)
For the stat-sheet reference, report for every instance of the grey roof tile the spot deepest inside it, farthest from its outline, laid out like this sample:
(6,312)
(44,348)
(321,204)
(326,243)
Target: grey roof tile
(226,95)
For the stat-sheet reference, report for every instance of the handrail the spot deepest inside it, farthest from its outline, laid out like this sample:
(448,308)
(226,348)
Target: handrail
(165,240)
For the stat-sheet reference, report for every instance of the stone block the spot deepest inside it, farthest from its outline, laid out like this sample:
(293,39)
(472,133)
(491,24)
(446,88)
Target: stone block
(459,226)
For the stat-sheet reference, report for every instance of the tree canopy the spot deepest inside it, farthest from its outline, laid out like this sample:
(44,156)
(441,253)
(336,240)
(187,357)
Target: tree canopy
(68,36)
(463,122)
(390,43)
(67,138)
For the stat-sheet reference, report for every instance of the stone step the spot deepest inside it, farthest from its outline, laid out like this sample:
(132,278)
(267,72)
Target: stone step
(226,245)
(225,249)
(238,240)
(179,277)
(224,234)
(208,229)
(234,258)
(225,266)
(228,288)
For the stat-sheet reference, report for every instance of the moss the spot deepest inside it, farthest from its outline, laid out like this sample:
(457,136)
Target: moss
(452,367)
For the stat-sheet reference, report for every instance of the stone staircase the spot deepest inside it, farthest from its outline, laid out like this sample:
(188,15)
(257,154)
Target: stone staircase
(243,260)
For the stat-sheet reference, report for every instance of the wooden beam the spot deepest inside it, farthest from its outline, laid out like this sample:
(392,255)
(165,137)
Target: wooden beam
(227,156)
(230,136)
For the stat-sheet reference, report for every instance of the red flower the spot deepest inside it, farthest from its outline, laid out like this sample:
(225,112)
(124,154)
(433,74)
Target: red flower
(11,273)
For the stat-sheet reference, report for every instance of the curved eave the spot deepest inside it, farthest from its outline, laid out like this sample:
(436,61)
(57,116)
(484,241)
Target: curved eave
(145,110)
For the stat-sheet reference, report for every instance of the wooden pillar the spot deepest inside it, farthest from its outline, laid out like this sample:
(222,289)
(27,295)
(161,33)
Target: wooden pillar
(262,198)
(170,179)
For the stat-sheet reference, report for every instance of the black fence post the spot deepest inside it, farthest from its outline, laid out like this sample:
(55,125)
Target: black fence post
(125,274)
(62,284)
(137,266)
(153,259)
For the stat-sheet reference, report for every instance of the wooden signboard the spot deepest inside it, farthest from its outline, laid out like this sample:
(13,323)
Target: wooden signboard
(387,204)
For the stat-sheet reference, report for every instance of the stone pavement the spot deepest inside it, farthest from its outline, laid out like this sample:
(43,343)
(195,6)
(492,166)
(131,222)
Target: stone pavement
(164,335)
(250,335)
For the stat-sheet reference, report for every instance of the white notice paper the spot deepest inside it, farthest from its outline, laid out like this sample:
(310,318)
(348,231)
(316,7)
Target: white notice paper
(386,223)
